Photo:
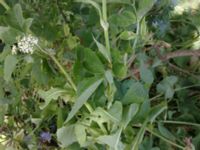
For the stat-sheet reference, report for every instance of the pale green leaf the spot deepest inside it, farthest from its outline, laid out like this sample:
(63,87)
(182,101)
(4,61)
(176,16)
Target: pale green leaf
(102,116)
(66,136)
(80,133)
(112,140)
(50,95)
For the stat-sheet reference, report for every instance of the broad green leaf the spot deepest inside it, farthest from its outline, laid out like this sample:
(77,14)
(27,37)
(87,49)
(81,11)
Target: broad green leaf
(103,51)
(127,35)
(80,134)
(146,74)
(113,140)
(85,95)
(136,94)
(50,95)
(9,66)
(129,113)
(92,62)
(156,111)
(66,136)
(144,6)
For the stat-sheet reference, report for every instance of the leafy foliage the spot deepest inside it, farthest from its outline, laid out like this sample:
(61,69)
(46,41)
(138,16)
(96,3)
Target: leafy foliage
(104,74)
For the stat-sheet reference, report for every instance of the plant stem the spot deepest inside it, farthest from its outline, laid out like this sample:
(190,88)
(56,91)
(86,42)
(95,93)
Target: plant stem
(180,123)
(64,72)
(165,139)
(4,4)
(60,67)
(131,59)
(106,25)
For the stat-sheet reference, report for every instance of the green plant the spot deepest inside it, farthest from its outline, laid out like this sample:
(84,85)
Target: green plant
(98,74)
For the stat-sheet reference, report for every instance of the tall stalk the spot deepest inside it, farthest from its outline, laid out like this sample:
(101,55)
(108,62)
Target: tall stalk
(105,25)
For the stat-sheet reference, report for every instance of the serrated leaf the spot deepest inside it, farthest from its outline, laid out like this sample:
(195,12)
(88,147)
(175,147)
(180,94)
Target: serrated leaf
(9,66)
(50,95)
(84,96)
(102,116)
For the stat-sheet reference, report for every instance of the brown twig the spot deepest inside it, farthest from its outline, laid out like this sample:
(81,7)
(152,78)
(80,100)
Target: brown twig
(181,53)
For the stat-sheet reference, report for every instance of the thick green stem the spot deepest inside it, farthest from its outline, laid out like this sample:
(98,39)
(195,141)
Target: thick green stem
(3,3)
(64,72)
(105,25)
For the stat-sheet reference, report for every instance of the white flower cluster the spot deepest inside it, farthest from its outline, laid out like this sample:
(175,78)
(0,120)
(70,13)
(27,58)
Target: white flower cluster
(25,45)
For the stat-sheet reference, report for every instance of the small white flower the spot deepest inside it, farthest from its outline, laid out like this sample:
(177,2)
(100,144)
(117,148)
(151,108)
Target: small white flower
(14,50)
(26,44)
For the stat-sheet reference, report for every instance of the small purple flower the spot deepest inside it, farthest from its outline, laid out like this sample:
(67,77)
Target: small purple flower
(45,136)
